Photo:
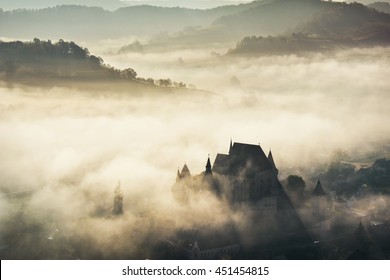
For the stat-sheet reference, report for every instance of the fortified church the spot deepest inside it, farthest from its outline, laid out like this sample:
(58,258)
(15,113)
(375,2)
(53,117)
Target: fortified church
(246,179)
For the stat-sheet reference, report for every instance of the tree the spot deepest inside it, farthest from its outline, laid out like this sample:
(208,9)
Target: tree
(129,73)
(118,201)
(96,61)
(150,81)
(165,82)
(296,188)
(295,183)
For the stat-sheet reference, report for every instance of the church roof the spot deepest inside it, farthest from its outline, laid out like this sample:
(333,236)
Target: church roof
(221,163)
(319,191)
(243,159)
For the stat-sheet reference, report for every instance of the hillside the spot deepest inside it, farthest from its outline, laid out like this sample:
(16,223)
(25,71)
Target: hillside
(194,26)
(332,21)
(383,7)
(271,18)
(91,23)
(334,26)
(46,64)
(40,4)
(350,21)
(114,4)
(309,16)
(279,45)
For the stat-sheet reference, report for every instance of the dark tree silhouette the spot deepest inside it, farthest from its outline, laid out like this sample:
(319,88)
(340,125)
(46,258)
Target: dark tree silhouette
(129,73)
(165,82)
(118,201)
(295,183)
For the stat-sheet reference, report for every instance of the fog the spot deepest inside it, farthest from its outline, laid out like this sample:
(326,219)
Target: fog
(293,104)
(72,148)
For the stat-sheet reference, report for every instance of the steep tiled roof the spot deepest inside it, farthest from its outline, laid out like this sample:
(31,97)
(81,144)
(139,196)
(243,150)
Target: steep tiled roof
(243,159)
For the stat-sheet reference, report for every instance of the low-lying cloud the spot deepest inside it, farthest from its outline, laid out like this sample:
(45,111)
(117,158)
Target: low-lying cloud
(72,149)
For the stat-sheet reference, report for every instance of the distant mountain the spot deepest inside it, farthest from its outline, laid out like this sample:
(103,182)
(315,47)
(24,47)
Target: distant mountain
(84,23)
(383,7)
(115,4)
(332,21)
(335,25)
(40,4)
(271,18)
(190,27)
(192,4)
(314,16)
(376,176)
(295,43)
(46,64)
(353,21)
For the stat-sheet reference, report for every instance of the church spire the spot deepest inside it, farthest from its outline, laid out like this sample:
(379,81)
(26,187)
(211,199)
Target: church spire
(271,160)
(208,166)
(178,176)
(318,190)
(231,145)
(185,172)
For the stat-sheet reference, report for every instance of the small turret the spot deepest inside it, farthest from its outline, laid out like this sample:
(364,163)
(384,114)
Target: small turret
(178,176)
(185,172)
(319,201)
(231,146)
(208,166)
(318,190)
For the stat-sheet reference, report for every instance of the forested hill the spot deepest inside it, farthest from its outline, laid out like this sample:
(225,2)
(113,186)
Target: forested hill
(338,25)
(311,16)
(332,21)
(91,23)
(39,4)
(383,7)
(43,63)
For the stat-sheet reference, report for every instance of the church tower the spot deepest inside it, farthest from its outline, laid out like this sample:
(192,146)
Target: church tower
(209,180)
(319,201)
